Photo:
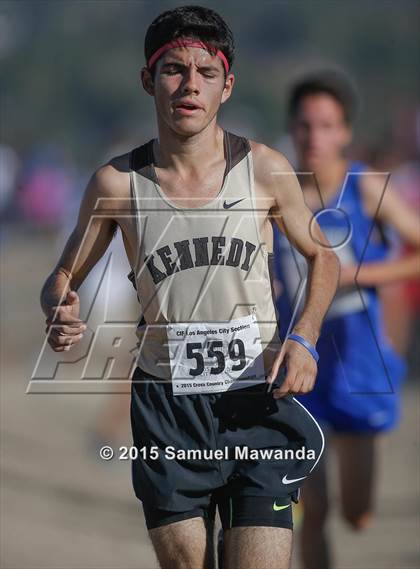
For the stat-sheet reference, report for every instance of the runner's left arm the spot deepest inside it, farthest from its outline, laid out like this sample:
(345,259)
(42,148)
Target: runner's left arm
(277,180)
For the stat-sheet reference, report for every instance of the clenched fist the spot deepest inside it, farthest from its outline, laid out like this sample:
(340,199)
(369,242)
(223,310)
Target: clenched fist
(64,328)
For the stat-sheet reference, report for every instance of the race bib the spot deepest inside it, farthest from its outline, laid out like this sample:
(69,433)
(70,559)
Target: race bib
(212,357)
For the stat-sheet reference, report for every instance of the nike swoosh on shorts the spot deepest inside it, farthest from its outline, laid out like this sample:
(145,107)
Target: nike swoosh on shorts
(285,480)
(278,508)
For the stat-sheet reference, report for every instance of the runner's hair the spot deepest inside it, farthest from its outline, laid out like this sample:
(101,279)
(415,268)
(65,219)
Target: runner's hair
(333,83)
(194,22)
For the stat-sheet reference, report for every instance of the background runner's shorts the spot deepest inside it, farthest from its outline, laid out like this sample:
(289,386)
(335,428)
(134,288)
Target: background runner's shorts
(163,424)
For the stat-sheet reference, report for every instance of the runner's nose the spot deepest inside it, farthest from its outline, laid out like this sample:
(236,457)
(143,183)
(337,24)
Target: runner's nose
(190,83)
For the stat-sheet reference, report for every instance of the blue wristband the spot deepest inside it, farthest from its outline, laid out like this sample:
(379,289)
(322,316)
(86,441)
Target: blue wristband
(306,344)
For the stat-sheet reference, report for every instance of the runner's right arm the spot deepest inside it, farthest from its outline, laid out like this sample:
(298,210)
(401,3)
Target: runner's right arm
(86,245)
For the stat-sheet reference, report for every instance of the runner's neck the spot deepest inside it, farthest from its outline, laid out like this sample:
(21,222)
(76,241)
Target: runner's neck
(188,156)
(329,179)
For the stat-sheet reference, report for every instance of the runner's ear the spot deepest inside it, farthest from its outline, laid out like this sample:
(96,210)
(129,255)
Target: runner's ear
(147,81)
(228,86)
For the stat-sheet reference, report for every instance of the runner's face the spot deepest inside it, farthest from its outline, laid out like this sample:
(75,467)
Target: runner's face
(320,132)
(189,86)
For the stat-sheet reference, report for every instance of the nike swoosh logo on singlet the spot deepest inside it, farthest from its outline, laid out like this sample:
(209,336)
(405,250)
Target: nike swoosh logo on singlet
(228,206)
(285,480)
(278,508)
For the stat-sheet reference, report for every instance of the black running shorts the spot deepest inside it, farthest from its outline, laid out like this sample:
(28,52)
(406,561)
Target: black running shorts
(266,448)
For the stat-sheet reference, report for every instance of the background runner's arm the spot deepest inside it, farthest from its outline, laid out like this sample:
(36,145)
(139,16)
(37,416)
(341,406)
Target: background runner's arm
(387,207)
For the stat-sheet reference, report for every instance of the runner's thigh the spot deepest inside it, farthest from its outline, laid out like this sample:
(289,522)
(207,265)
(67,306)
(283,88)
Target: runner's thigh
(262,547)
(187,544)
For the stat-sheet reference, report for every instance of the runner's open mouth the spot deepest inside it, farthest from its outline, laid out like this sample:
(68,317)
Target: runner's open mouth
(187,106)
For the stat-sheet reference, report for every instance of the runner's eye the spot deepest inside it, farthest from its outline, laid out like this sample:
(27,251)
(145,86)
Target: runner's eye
(172,70)
(208,73)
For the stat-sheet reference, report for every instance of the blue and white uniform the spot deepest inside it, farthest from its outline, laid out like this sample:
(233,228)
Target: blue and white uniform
(359,373)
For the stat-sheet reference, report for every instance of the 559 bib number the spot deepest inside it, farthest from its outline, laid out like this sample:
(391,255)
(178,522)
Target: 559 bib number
(214,349)
(208,357)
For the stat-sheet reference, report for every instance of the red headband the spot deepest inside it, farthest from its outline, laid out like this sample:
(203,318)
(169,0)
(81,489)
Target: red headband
(187,42)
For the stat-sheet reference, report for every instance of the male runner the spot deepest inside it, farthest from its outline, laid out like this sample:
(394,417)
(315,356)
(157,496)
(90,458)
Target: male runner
(356,394)
(198,239)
